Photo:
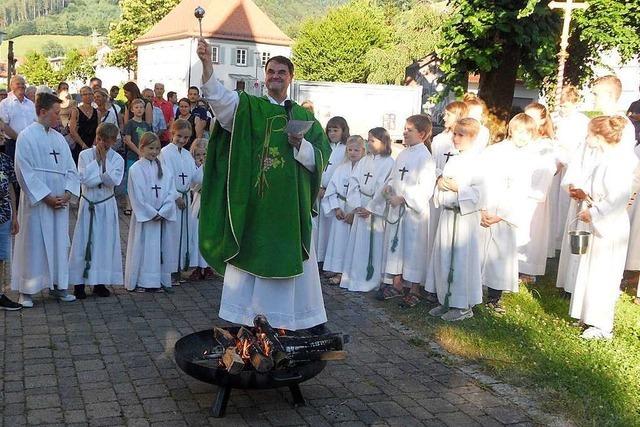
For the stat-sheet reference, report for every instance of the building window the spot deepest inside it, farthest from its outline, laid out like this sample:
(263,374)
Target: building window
(215,54)
(265,57)
(241,57)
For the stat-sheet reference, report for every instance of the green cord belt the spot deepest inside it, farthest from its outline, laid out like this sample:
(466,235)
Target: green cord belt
(92,214)
(185,198)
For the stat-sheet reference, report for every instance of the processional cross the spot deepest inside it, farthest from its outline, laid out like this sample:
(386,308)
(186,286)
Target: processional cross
(567,7)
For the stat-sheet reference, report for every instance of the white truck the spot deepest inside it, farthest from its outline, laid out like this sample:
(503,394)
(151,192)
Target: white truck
(364,106)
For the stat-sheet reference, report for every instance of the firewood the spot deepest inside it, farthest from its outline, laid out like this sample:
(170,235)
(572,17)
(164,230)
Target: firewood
(301,349)
(278,353)
(232,361)
(259,361)
(224,337)
(333,355)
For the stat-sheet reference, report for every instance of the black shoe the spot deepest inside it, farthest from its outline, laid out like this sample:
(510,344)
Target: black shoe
(78,291)
(320,329)
(8,305)
(431,298)
(101,291)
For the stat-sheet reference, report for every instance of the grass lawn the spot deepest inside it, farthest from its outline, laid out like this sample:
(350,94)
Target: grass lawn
(536,345)
(23,44)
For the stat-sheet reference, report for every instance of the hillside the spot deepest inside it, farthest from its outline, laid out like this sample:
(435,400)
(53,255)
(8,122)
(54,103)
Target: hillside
(23,44)
(81,17)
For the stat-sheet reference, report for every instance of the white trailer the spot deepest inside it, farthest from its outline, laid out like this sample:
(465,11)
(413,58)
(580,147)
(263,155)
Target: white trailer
(364,106)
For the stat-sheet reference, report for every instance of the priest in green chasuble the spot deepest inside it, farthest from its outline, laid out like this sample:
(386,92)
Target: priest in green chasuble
(259,187)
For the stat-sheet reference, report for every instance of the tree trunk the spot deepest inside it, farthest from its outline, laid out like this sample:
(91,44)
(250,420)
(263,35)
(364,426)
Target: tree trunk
(497,87)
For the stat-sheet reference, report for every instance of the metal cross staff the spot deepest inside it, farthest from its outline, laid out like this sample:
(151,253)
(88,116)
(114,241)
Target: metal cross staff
(567,7)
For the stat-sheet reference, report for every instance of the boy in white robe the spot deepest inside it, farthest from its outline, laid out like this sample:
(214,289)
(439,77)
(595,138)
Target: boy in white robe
(504,182)
(454,273)
(337,131)
(48,177)
(404,203)
(179,162)
(363,258)
(201,270)
(335,205)
(571,131)
(606,192)
(96,252)
(152,193)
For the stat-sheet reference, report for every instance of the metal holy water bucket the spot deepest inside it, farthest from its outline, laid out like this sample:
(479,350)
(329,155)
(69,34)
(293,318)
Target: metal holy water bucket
(579,241)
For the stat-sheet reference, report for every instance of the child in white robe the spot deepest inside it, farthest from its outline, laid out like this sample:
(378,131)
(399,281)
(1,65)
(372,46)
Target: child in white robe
(477,109)
(179,162)
(363,258)
(442,150)
(504,187)
(606,192)
(202,271)
(546,135)
(571,131)
(534,235)
(405,207)
(152,193)
(337,131)
(454,273)
(96,251)
(335,204)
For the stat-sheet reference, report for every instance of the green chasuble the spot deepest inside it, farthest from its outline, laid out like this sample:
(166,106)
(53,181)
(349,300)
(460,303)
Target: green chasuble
(255,211)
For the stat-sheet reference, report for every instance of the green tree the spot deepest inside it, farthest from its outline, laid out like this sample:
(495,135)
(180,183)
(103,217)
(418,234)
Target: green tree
(505,39)
(52,49)
(78,65)
(334,48)
(37,70)
(138,16)
(415,35)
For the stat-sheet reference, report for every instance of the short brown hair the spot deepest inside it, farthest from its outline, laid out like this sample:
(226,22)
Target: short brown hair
(281,60)
(44,101)
(610,128)
(545,130)
(107,132)
(422,123)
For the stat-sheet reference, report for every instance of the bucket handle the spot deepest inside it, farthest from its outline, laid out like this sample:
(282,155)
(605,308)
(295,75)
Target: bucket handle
(576,219)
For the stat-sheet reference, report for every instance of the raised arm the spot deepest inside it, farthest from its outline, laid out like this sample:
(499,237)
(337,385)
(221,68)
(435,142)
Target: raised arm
(223,101)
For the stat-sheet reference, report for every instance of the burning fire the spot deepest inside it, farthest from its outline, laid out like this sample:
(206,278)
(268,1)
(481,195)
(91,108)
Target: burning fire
(259,340)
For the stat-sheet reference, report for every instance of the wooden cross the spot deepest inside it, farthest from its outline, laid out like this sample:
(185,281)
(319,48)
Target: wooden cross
(567,7)
(367,176)
(156,188)
(55,155)
(448,155)
(183,176)
(403,171)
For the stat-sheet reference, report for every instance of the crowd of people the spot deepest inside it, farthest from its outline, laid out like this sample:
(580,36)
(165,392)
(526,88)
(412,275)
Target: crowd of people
(59,152)
(455,213)
(437,221)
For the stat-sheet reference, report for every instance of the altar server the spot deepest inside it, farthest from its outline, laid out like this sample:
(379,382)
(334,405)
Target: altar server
(477,109)
(96,251)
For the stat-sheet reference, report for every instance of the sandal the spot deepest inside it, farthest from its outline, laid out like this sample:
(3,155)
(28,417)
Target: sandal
(335,280)
(390,292)
(410,300)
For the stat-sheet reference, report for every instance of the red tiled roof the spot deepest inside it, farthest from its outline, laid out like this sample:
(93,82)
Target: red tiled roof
(224,19)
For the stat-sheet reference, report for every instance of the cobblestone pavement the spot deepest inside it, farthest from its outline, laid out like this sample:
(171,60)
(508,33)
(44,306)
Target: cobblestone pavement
(109,361)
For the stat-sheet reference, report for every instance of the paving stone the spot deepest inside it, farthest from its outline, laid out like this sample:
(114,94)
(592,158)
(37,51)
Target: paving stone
(114,366)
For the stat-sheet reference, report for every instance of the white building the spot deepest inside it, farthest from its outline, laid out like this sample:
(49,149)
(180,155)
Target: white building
(242,36)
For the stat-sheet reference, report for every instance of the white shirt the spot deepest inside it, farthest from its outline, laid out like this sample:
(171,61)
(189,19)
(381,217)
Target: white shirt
(18,115)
